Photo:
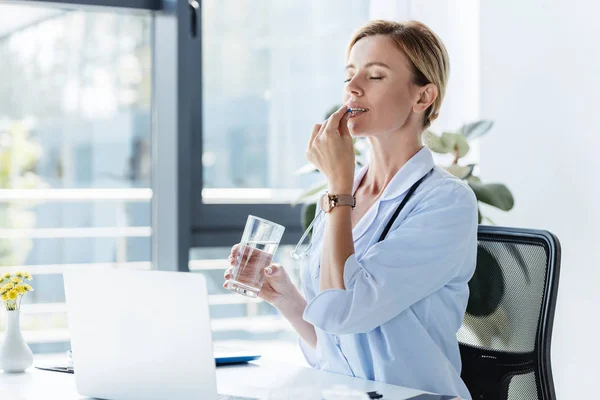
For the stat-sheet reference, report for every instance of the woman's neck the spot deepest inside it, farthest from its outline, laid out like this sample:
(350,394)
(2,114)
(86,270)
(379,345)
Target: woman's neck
(386,159)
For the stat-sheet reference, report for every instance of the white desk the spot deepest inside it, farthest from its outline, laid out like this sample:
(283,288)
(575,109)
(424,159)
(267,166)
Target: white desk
(257,379)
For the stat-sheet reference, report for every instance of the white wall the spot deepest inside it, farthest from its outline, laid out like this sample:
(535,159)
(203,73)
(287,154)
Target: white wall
(540,82)
(456,22)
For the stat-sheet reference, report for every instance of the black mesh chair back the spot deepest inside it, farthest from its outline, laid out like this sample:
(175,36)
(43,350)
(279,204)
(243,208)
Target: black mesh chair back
(505,336)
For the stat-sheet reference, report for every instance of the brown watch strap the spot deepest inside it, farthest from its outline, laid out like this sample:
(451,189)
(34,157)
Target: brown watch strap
(343,200)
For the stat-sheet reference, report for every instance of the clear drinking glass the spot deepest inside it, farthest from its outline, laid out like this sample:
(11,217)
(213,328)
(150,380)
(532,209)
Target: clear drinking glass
(257,247)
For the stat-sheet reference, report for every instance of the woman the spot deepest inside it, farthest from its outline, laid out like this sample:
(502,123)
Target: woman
(385,302)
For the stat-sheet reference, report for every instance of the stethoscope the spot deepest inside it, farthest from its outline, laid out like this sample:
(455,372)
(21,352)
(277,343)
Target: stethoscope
(296,255)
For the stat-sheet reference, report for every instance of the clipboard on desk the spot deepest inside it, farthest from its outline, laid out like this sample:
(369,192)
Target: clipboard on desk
(230,355)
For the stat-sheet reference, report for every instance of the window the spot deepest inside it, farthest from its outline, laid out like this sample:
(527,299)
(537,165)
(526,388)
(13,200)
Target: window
(75,130)
(271,70)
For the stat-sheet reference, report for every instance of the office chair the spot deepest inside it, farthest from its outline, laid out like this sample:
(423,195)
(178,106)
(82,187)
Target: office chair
(505,336)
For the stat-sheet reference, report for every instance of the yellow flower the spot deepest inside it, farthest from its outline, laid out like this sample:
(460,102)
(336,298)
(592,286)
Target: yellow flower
(21,289)
(6,287)
(12,294)
(15,280)
(28,288)
(6,276)
(27,276)
(19,274)
(4,297)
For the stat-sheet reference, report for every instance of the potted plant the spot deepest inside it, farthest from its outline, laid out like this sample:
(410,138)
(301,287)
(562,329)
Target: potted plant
(456,143)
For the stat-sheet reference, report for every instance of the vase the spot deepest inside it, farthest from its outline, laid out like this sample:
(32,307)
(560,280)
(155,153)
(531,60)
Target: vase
(15,354)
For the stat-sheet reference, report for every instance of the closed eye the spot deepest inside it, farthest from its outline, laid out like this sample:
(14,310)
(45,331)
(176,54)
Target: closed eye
(377,78)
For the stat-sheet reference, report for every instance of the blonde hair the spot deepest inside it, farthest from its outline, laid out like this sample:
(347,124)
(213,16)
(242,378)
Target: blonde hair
(425,50)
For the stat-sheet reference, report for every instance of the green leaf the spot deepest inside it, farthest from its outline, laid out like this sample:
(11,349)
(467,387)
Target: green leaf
(308,168)
(456,141)
(487,285)
(447,143)
(461,172)
(311,192)
(488,219)
(516,253)
(435,143)
(494,194)
(476,129)
(308,213)
(473,178)
(497,327)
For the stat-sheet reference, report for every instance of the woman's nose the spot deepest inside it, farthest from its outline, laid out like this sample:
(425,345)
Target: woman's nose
(353,88)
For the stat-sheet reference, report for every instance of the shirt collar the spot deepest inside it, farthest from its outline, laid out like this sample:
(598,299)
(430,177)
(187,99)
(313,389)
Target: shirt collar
(415,168)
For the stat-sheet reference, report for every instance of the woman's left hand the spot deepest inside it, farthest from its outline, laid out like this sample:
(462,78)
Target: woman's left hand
(331,150)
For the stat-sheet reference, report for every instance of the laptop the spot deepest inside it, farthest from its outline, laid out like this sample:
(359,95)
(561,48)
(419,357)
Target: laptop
(142,335)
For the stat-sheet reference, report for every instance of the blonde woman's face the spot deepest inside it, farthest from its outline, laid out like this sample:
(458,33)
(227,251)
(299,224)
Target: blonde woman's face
(379,80)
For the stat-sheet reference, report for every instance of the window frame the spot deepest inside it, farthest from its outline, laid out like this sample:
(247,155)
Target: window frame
(151,5)
(221,225)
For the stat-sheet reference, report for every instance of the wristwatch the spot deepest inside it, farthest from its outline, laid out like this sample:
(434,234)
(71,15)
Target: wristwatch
(329,201)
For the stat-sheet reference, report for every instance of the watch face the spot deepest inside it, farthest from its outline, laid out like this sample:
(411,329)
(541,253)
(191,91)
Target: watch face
(325,203)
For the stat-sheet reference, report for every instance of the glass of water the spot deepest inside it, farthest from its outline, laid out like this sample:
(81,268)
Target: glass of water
(257,247)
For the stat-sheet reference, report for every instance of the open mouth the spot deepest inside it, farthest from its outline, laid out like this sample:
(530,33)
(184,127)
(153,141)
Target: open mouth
(354,111)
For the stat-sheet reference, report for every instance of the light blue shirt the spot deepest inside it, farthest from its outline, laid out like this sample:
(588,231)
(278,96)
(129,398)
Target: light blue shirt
(406,296)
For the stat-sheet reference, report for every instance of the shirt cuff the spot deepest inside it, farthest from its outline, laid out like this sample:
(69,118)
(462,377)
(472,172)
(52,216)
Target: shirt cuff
(325,311)
(310,354)
(351,269)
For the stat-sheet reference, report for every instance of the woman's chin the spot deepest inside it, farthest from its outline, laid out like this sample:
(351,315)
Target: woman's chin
(354,132)
(357,129)
(357,132)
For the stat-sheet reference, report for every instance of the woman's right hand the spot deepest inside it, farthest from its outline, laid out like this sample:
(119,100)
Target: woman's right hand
(277,286)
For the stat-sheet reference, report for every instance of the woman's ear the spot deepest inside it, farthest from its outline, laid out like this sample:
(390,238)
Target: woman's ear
(427,95)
